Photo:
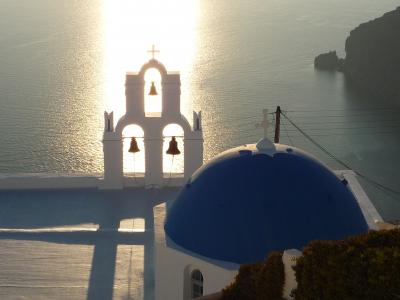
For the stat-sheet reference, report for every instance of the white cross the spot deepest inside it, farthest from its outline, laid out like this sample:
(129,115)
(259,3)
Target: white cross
(153,51)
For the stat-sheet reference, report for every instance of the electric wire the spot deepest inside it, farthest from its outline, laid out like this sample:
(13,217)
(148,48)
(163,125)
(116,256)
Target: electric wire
(287,134)
(319,117)
(327,152)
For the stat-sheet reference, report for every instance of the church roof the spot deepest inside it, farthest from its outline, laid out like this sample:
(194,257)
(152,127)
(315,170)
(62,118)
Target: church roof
(254,199)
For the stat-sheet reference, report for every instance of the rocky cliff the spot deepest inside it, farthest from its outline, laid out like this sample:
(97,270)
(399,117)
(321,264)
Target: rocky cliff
(329,62)
(372,60)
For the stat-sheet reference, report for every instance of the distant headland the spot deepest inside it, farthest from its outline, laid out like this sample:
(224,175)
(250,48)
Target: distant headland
(372,62)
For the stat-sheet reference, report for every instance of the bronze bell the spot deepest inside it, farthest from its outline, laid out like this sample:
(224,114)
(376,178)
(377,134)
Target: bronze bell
(173,147)
(153,91)
(134,146)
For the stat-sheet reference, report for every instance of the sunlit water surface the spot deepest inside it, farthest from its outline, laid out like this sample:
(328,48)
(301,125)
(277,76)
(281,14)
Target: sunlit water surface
(62,63)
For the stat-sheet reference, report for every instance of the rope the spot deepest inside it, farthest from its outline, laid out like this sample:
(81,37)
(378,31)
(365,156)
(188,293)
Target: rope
(134,169)
(170,171)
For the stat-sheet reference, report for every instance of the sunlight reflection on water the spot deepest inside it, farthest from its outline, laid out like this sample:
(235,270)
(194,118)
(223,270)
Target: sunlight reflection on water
(64,62)
(130,27)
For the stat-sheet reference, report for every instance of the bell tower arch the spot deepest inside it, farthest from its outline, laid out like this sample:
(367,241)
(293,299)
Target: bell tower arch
(153,131)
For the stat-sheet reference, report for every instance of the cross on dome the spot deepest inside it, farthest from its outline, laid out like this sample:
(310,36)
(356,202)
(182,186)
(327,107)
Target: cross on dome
(153,51)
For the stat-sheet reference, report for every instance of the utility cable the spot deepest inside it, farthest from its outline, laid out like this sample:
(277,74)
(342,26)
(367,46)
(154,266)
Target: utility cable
(322,148)
(287,134)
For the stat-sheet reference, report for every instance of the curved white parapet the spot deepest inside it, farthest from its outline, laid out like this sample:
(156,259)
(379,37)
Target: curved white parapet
(368,209)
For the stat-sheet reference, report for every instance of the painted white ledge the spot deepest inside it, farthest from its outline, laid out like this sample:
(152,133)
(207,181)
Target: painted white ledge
(369,211)
(78,181)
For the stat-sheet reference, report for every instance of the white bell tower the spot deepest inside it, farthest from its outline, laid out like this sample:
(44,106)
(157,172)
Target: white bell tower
(153,131)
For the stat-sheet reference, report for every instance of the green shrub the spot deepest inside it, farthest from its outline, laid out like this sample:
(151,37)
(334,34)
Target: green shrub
(261,281)
(361,267)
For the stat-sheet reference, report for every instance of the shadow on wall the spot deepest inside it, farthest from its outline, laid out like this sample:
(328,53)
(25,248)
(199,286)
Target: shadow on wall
(38,212)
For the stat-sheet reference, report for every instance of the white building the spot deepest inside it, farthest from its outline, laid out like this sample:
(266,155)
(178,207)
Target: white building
(235,209)
(152,125)
(246,203)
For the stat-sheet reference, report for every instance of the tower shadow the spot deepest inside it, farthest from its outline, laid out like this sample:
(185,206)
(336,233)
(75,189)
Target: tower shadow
(107,209)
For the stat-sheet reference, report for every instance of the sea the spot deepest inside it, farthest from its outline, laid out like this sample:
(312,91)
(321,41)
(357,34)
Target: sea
(63,63)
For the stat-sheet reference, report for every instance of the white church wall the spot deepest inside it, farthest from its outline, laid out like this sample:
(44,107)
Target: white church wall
(171,95)
(112,151)
(47,181)
(173,268)
(289,259)
(152,127)
(134,86)
(68,181)
(194,153)
(154,173)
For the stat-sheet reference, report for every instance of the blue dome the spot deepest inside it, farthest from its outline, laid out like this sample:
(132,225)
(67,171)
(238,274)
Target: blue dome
(246,203)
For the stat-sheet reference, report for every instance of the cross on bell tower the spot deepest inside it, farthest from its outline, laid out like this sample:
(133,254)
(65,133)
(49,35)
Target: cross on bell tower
(153,51)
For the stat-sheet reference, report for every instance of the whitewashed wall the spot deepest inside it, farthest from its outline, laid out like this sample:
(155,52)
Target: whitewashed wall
(173,268)
(52,181)
(47,181)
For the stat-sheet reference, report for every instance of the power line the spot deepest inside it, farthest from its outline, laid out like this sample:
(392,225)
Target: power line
(349,134)
(322,148)
(313,115)
(287,134)
(382,109)
(394,121)
(348,131)
(351,128)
